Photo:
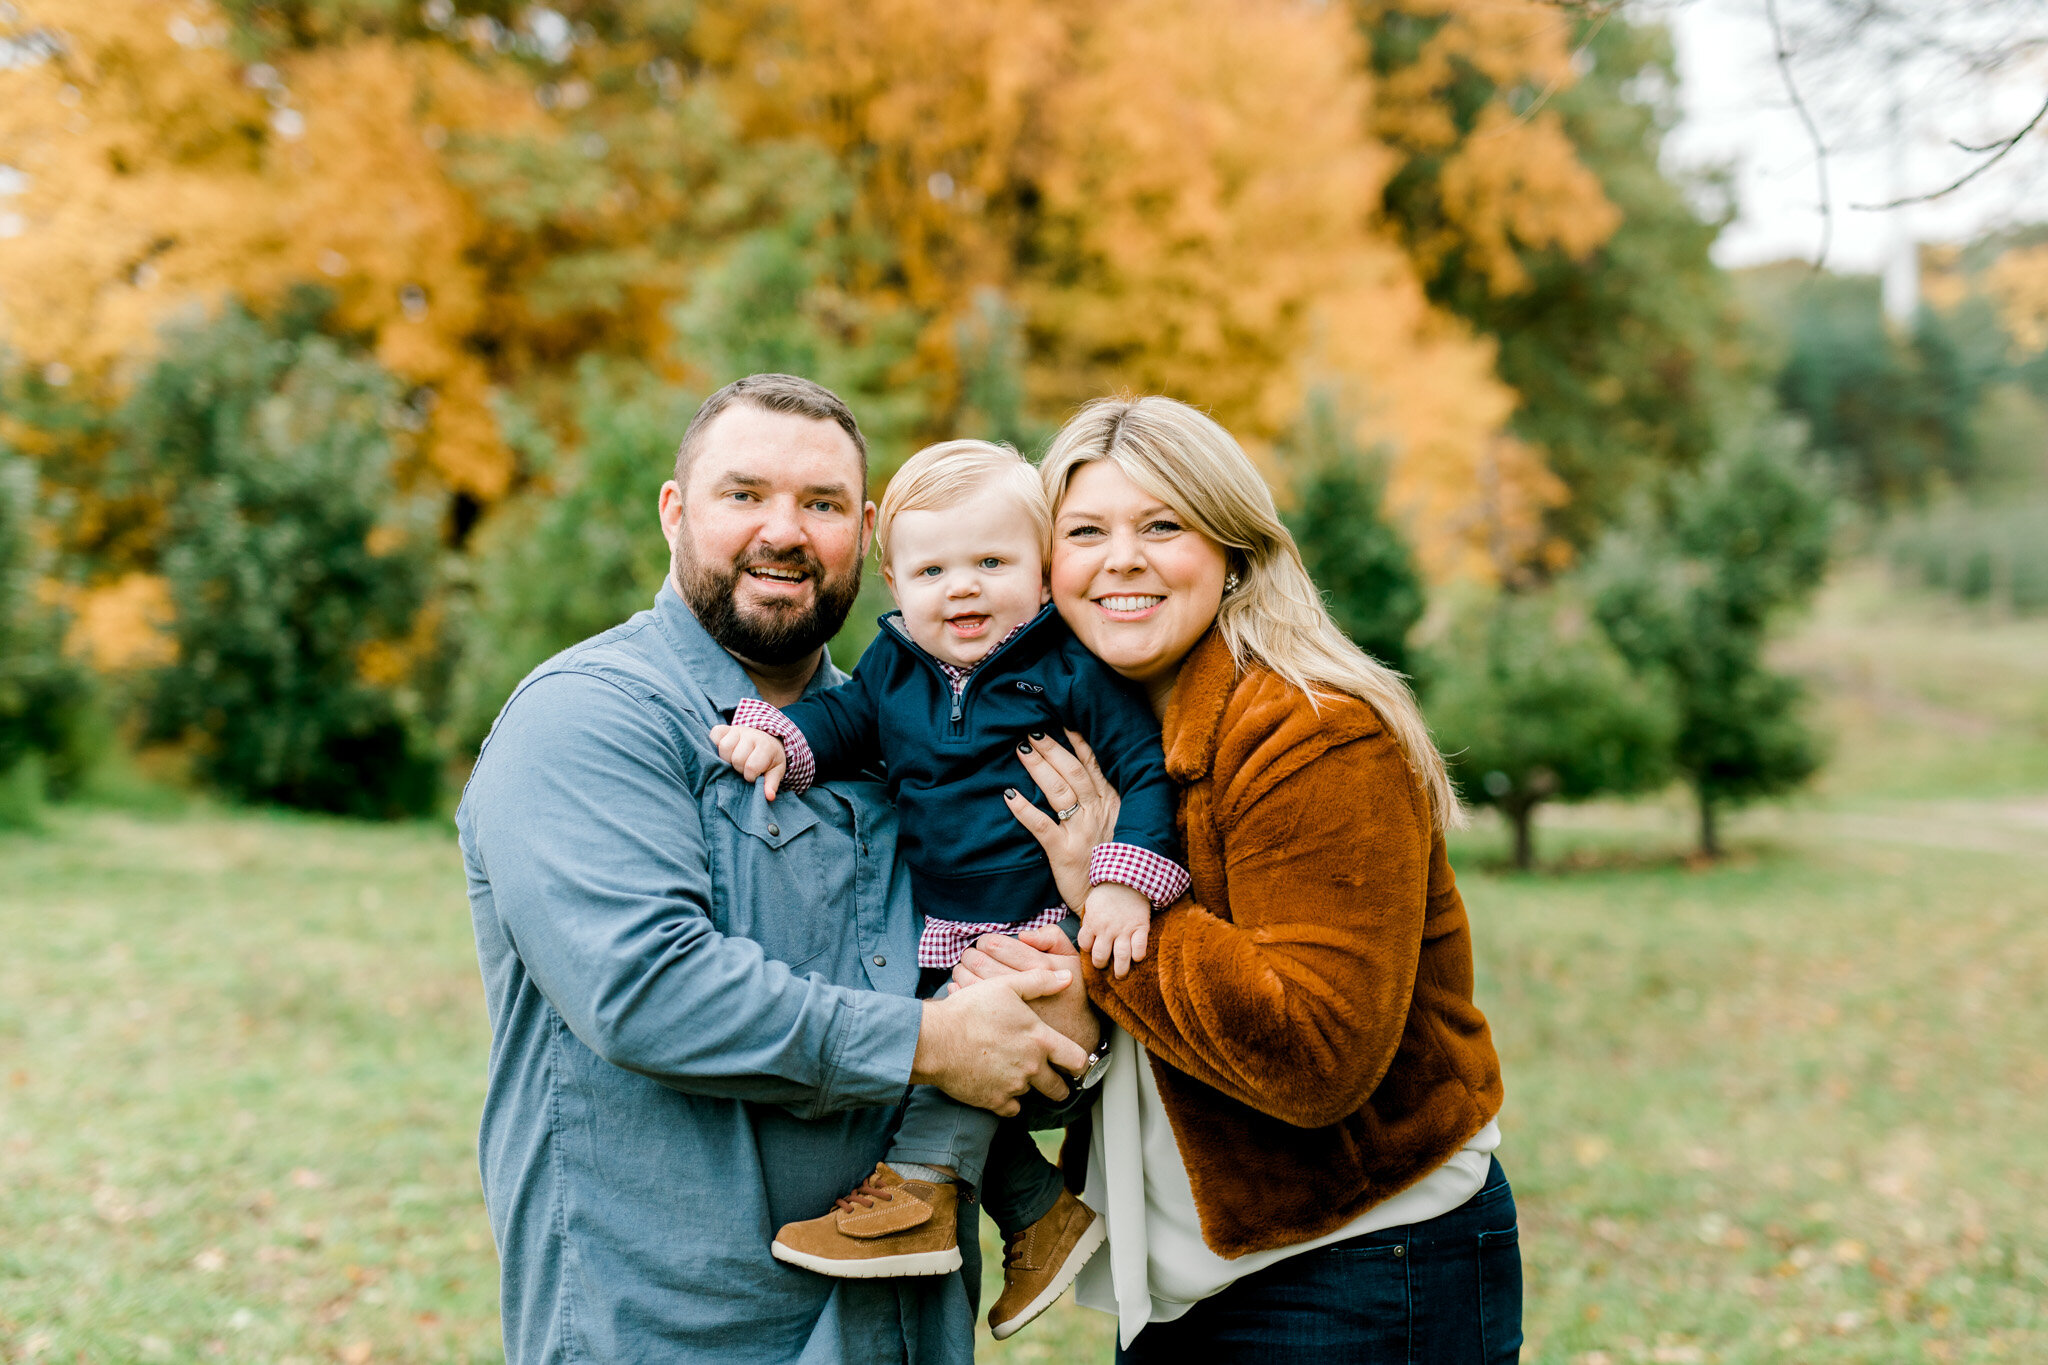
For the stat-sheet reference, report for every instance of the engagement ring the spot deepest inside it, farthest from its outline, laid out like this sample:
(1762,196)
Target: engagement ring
(1062,816)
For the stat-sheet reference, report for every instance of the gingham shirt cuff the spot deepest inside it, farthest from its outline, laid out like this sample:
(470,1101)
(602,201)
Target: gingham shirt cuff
(802,764)
(1162,880)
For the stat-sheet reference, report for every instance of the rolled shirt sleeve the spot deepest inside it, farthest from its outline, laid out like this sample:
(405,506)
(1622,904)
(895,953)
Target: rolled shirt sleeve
(582,813)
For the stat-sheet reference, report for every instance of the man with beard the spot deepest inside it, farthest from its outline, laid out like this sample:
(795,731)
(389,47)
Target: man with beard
(701,1005)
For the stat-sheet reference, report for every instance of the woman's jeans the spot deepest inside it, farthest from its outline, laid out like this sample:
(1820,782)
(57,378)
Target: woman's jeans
(1444,1292)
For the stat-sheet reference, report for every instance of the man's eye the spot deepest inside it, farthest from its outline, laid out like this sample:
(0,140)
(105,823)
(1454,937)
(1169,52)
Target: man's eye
(825,507)
(740,495)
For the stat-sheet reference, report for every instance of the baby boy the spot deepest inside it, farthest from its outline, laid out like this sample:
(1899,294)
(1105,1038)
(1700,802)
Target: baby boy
(971,668)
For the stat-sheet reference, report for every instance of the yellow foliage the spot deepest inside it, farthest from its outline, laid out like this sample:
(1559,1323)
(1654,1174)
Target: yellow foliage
(1183,196)
(163,175)
(1514,179)
(123,624)
(2018,284)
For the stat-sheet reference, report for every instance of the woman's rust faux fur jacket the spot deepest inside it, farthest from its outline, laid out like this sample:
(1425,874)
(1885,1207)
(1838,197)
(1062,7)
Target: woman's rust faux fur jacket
(1309,1009)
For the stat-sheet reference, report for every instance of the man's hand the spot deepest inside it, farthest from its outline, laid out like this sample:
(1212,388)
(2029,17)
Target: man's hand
(999,956)
(753,752)
(1115,926)
(984,1046)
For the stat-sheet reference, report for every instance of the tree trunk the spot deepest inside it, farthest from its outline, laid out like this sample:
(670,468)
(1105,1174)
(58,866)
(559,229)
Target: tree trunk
(1710,831)
(1522,817)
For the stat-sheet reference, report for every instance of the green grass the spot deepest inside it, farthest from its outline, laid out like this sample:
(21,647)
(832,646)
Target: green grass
(1786,1108)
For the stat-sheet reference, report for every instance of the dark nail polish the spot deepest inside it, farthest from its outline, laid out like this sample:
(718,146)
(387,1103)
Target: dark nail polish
(1023,746)
(1010,792)
(1038,734)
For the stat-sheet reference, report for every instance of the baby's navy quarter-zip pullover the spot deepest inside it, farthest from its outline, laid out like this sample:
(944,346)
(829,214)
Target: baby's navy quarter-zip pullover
(949,757)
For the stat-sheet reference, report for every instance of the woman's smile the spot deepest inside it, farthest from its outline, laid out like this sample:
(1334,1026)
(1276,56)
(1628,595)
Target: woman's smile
(1129,606)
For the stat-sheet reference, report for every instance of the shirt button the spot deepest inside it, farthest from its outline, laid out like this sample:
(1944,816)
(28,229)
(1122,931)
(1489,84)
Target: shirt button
(881,961)
(774,830)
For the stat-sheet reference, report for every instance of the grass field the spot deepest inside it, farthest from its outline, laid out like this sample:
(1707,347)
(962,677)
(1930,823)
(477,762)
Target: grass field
(1787,1108)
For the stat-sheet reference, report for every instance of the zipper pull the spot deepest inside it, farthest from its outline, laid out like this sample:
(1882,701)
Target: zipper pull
(956,708)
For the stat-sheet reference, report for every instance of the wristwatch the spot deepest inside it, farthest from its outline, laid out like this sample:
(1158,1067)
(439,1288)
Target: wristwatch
(1092,1070)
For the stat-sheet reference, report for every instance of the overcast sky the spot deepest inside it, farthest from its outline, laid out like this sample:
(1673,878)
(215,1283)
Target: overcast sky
(1737,112)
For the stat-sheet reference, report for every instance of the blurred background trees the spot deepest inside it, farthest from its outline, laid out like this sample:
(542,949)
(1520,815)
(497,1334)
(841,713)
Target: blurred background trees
(347,341)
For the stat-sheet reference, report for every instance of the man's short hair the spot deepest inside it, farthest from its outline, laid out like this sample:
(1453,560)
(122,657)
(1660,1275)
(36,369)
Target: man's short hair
(947,474)
(772,393)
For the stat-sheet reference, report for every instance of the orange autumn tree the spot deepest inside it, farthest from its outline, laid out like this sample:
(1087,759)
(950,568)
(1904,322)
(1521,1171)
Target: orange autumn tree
(163,173)
(1181,196)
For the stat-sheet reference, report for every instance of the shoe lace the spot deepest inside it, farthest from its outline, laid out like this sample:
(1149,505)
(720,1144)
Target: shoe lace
(1014,1249)
(864,1196)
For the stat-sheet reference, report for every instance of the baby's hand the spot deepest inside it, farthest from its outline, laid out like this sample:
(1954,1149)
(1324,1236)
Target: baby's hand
(753,752)
(1116,922)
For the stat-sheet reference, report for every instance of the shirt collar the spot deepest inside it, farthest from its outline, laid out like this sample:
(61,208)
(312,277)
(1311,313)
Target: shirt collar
(724,680)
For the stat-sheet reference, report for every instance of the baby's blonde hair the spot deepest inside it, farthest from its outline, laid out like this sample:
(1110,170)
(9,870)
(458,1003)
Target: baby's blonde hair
(944,475)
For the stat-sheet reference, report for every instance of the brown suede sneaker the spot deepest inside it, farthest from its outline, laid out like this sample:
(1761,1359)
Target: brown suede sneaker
(1041,1261)
(889,1226)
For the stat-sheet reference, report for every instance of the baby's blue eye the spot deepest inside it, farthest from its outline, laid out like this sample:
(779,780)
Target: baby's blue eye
(991,562)
(929,571)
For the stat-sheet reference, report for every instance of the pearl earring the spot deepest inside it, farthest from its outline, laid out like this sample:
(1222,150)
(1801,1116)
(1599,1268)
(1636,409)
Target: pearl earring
(1230,583)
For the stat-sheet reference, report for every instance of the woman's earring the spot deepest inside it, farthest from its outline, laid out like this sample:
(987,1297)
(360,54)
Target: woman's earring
(1230,584)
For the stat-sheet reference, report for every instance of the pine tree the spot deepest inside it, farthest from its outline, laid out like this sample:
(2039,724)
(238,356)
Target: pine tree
(1689,597)
(1358,558)
(1532,704)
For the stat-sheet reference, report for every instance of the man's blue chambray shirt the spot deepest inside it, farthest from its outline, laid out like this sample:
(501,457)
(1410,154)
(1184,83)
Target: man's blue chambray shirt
(701,1020)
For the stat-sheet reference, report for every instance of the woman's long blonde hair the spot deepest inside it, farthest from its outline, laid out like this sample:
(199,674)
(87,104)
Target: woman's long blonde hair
(1274,616)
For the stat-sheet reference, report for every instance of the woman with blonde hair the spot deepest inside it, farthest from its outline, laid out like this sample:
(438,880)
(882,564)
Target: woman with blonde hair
(1293,1143)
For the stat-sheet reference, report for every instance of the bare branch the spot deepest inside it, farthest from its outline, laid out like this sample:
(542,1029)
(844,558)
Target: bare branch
(1998,150)
(1820,148)
(1536,105)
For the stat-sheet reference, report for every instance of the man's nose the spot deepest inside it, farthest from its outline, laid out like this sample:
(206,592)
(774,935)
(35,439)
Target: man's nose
(781,527)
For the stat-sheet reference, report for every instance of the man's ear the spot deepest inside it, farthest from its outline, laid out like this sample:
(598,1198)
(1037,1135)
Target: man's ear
(670,505)
(867,531)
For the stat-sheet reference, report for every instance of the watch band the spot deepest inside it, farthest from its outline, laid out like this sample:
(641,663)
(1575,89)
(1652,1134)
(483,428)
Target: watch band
(1093,1068)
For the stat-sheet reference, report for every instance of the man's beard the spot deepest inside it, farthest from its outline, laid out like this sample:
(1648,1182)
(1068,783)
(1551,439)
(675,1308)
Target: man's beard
(772,633)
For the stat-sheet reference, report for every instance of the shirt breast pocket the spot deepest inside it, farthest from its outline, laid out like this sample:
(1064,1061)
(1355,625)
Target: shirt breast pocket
(767,890)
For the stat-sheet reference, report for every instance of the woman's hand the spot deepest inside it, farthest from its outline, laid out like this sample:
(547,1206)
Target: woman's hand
(998,955)
(1067,780)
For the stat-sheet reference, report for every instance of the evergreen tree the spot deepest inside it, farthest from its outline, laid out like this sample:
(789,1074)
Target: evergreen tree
(297,572)
(45,698)
(1533,704)
(1359,559)
(1689,597)
(580,549)
(1895,412)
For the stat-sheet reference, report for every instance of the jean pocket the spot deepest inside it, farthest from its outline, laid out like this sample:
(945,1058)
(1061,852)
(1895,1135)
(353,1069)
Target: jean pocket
(1500,1296)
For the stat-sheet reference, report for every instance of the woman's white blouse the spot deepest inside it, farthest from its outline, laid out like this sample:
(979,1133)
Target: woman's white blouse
(1157,1266)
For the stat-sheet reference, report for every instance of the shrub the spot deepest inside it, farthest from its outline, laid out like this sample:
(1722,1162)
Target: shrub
(1994,555)
(298,574)
(45,699)
(1689,596)
(1532,704)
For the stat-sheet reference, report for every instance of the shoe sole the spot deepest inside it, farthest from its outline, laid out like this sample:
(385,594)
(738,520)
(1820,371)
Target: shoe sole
(876,1267)
(1084,1247)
